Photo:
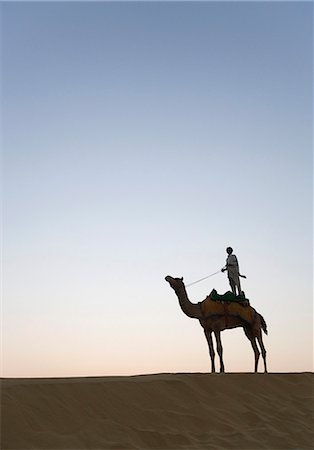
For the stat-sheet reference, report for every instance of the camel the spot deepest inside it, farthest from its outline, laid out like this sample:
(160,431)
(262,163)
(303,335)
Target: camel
(213,322)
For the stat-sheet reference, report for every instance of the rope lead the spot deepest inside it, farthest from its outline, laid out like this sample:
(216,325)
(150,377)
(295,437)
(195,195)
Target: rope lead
(205,278)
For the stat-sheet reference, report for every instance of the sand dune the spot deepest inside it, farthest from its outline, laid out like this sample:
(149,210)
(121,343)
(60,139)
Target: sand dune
(165,411)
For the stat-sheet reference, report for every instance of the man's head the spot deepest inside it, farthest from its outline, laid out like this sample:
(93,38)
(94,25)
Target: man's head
(229,250)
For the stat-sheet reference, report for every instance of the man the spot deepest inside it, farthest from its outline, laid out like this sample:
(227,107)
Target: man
(232,267)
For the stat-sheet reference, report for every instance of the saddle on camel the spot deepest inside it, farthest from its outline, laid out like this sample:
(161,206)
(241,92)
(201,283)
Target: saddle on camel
(228,304)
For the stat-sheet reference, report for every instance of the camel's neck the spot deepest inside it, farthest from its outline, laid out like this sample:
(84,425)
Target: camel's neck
(190,309)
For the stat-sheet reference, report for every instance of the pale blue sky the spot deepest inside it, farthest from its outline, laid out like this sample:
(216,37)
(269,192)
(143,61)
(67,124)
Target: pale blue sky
(140,140)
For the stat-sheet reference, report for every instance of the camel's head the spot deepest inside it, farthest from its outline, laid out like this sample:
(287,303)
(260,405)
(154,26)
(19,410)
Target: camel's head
(175,283)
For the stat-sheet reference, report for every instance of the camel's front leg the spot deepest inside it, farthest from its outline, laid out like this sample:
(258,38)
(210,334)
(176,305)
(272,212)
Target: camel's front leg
(219,350)
(208,335)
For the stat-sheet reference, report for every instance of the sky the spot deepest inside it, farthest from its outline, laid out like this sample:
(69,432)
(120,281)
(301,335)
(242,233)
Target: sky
(139,140)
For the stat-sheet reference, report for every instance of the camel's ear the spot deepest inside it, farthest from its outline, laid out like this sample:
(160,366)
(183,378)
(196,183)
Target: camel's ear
(181,278)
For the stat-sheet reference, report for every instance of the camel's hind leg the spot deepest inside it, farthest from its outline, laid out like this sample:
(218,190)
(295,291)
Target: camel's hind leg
(261,344)
(251,338)
(208,335)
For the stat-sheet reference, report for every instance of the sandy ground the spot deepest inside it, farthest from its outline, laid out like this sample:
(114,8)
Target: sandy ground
(164,411)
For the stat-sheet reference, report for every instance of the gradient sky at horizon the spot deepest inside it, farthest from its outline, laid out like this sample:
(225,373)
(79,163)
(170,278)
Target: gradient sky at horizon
(140,140)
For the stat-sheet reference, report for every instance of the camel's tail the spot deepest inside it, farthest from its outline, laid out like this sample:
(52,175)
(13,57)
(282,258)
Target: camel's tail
(263,323)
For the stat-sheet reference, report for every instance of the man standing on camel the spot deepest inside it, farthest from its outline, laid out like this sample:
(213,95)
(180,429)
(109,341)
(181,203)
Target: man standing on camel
(232,266)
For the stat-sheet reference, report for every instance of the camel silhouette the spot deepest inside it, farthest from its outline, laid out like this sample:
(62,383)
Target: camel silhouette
(215,317)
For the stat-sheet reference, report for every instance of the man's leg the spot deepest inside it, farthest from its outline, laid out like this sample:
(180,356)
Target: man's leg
(232,285)
(238,284)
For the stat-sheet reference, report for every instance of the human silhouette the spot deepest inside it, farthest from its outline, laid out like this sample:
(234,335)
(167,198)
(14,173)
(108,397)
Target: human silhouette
(232,267)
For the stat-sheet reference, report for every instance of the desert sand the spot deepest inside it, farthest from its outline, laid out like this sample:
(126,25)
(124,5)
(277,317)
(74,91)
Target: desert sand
(163,411)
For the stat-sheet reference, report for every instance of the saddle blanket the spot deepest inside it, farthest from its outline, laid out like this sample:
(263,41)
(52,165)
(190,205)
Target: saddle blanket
(228,305)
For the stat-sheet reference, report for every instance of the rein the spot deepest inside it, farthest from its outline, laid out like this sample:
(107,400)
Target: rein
(202,279)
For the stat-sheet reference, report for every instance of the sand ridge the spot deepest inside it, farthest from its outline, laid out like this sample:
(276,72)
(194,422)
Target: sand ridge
(162,411)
